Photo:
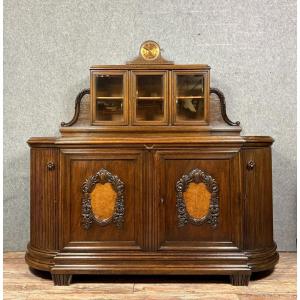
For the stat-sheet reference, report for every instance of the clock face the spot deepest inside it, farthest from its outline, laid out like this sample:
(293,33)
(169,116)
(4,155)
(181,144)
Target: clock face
(149,50)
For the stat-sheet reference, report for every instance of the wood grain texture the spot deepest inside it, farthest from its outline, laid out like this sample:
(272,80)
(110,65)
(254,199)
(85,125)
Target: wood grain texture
(153,159)
(197,199)
(150,223)
(44,198)
(212,122)
(217,163)
(44,185)
(20,283)
(103,200)
(84,163)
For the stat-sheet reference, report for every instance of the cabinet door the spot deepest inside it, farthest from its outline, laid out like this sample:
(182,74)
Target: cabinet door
(257,184)
(190,97)
(109,95)
(43,198)
(101,199)
(149,95)
(199,193)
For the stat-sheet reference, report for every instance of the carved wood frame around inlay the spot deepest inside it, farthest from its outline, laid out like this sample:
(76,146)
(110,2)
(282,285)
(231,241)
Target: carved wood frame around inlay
(88,217)
(182,184)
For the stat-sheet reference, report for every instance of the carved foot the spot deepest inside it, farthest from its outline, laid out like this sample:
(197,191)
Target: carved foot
(61,279)
(240,279)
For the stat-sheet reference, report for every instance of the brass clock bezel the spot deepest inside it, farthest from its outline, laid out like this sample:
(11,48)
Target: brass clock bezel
(152,43)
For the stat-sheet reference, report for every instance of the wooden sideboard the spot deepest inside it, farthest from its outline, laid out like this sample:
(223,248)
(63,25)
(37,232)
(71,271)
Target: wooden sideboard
(151,177)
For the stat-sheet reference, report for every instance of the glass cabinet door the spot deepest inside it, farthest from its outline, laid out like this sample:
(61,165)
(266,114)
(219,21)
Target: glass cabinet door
(149,96)
(109,96)
(190,93)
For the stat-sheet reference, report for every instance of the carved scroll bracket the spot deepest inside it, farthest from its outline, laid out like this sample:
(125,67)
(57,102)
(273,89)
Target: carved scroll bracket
(223,107)
(77,108)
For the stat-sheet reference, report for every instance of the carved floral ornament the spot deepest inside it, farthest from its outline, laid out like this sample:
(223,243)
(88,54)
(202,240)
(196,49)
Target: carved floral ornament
(197,176)
(103,177)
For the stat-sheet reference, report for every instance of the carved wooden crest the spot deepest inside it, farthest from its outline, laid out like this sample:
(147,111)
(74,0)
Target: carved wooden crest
(197,199)
(102,200)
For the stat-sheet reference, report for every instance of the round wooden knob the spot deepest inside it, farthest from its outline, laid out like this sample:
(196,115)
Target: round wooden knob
(250,164)
(50,165)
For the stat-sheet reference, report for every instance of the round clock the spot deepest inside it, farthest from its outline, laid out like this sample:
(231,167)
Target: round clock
(149,50)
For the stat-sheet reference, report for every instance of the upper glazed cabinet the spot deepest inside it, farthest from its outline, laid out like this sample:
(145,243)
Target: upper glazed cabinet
(138,94)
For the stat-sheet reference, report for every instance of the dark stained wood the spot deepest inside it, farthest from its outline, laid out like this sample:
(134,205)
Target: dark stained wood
(126,165)
(152,67)
(77,108)
(179,162)
(19,283)
(257,170)
(149,228)
(240,279)
(215,117)
(44,199)
(61,279)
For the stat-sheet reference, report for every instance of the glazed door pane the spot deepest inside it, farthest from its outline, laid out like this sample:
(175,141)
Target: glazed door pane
(190,85)
(149,95)
(189,109)
(109,110)
(110,98)
(189,97)
(109,85)
(150,86)
(149,110)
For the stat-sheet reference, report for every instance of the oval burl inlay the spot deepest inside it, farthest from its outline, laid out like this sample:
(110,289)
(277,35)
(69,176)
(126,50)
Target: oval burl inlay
(103,201)
(197,200)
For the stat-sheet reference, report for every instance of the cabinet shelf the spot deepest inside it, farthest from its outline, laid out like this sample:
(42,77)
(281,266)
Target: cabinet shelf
(189,97)
(110,98)
(150,98)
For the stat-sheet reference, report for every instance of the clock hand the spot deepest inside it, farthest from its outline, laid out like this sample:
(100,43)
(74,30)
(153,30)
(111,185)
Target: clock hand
(153,51)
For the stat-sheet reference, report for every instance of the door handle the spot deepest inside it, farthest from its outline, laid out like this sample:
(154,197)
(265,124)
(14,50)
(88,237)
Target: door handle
(162,201)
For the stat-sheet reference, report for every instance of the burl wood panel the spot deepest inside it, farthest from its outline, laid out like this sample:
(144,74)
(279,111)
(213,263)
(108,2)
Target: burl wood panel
(103,200)
(197,200)
(44,197)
